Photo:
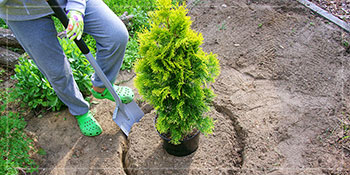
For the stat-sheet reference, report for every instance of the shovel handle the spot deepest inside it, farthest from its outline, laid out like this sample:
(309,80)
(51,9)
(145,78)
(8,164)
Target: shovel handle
(61,15)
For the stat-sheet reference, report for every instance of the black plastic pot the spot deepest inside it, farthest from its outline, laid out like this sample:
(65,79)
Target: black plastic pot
(186,147)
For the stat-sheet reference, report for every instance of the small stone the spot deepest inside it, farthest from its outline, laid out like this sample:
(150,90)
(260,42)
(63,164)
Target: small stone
(236,45)
(224,5)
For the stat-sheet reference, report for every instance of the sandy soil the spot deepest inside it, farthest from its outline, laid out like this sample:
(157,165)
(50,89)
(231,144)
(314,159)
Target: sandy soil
(282,103)
(281,95)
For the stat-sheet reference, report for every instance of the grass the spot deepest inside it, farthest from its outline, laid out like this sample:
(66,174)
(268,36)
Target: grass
(15,145)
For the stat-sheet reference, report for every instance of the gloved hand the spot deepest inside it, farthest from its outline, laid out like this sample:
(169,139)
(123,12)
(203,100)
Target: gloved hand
(75,26)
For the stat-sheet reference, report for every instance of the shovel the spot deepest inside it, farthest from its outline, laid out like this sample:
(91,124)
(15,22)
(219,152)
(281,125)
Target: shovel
(125,115)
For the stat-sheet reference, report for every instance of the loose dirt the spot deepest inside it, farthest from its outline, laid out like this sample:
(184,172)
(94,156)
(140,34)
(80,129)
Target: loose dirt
(282,104)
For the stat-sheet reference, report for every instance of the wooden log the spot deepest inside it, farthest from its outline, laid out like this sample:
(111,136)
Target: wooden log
(8,39)
(8,58)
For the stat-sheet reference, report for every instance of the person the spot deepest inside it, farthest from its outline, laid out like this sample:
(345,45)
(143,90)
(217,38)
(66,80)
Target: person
(31,23)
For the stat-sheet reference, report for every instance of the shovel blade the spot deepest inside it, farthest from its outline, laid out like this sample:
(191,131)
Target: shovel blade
(125,119)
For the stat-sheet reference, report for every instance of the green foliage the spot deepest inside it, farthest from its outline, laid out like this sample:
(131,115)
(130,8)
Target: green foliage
(174,73)
(58,25)
(89,40)
(138,9)
(34,89)
(14,146)
(82,70)
(3,24)
(131,54)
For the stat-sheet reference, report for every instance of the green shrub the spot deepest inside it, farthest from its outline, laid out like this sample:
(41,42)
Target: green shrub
(34,90)
(174,73)
(15,146)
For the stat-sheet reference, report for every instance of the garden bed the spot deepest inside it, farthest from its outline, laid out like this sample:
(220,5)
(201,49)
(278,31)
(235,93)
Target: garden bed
(282,104)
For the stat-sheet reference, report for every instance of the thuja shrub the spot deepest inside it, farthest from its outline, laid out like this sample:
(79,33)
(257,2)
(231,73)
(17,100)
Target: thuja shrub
(35,91)
(174,73)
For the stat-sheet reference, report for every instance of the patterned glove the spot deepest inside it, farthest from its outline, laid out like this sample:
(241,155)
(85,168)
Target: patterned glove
(75,26)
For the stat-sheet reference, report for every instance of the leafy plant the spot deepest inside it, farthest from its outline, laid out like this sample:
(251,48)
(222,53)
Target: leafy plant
(34,89)
(3,24)
(82,70)
(131,54)
(15,146)
(174,73)
(139,9)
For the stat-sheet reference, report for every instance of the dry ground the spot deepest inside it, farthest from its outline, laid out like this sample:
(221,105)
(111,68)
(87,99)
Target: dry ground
(282,103)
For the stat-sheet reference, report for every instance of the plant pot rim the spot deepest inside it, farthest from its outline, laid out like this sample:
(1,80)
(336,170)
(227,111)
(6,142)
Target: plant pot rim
(167,139)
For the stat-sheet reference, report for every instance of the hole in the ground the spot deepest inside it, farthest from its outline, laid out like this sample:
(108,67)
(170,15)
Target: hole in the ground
(123,158)
(240,132)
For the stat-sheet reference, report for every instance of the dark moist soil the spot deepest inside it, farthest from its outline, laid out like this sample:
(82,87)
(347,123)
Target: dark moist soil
(282,104)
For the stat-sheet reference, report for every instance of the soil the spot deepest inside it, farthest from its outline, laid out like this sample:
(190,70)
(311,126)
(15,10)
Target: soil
(341,9)
(282,104)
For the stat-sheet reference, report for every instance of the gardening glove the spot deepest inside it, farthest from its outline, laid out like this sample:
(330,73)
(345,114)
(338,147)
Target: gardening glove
(75,26)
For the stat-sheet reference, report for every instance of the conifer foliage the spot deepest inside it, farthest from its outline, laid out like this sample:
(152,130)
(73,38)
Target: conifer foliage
(174,73)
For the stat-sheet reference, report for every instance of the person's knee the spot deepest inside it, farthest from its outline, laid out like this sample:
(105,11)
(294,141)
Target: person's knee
(121,38)
(59,77)
(120,35)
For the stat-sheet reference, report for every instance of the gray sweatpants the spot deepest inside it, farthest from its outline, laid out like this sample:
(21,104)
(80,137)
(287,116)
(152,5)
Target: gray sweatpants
(39,39)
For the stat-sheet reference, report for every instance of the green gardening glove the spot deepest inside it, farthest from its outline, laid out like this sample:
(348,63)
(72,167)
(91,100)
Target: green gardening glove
(75,26)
